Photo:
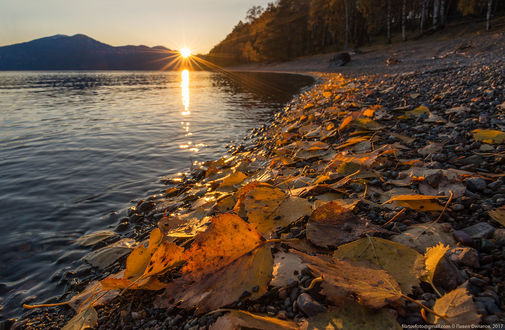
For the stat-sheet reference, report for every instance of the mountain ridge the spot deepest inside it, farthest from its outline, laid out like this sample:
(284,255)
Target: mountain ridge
(81,52)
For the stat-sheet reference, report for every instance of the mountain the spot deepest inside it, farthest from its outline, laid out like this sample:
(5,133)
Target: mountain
(80,52)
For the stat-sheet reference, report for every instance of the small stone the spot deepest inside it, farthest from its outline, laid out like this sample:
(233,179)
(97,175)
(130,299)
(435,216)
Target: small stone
(480,230)
(489,303)
(309,306)
(486,148)
(486,245)
(477,281)
(475,184)
(458,207)
(465,256)
(447,275)
(499,234)
(494,320)
(283,315)
(462,237)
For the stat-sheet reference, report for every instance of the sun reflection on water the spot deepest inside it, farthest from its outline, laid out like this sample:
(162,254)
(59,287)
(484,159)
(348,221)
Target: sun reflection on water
(185,92)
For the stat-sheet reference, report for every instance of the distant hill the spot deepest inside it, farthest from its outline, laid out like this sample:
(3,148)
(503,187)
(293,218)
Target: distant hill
(80,52)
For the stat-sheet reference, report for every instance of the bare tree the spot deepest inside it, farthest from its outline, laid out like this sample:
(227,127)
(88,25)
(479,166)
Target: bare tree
(489,14)
(436,13)
(423,16)
(442,13)
(347,27)
(404,20)
(388,23)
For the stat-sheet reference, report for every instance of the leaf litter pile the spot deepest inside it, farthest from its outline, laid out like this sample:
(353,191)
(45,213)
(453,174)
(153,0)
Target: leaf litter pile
(342,216)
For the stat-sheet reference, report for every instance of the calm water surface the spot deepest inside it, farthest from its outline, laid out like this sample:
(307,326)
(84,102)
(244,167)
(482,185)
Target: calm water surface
(77,148)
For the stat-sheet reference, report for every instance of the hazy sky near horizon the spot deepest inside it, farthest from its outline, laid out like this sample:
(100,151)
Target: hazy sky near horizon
(197,24)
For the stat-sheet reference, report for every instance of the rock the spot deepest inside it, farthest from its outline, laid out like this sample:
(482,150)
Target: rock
(447,275)
(462,237)
(475,184)
(486,148)
(309,306)
(499,234)
(480,230)
(489,303)
(146,207)
(486,245)
(422,236)
(465,256)
(340,59)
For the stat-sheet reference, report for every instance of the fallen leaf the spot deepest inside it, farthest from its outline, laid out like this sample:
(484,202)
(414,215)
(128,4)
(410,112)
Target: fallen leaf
(152,284)
(350,315)
(86,319)
(227,238)
(431,148)
(345,122)
(237,319)
(287,267)
(457,307)
(251,272)
(417,112)
(137,262)
(233,179)
(95,238)
(432,259)
(498,215)
(165,256)
(106,256)
(290,210)
(425,235)
(332,225)
(489,136)
(372,287)
(405,264)
(259,205)
(417,202)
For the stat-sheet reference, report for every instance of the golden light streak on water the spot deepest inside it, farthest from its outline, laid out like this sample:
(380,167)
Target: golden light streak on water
(185,92)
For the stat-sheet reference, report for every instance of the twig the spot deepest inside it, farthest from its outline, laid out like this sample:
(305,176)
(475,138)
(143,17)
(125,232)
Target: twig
(395,216)
(313,283)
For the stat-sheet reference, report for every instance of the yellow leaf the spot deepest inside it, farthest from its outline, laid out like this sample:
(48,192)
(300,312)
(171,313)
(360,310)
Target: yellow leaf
(432,259)
(498,215)
(227,238)
(259,204)
(367,124)
(341,278)
(417,202)
(457,307)
(237,319)
(405,264)
(165,256)
(417,112)
(233,179)
(86,319)
(152,284)
(137,262)
(345,122)
(350,315)
(327,94)
(489,136)
(155,239)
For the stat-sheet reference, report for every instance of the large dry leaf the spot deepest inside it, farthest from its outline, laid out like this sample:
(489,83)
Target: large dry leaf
(251,272)
(425,235)
(364,160)
(137,262)
(227,238)
(237,319)
(457,307)
(405,264)
(489,136)
(417,202)
(107,255)
(152,284)
(164,257)
(86,319)
(287,267)
(259,205)
(374,288)
(432,259)
(498,215)
(290,210)
(95,238)
(351,316)
(233,179)
(332,225)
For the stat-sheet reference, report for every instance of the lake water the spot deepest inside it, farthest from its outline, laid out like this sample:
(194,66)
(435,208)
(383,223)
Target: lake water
(77,147)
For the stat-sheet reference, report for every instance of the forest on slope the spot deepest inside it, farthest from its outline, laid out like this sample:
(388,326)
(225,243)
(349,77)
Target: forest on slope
(291,28)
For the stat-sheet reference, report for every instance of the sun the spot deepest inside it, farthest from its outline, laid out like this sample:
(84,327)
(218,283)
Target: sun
(185,52)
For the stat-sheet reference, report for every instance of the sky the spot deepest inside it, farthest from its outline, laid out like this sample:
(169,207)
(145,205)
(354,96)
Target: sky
(197,24)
